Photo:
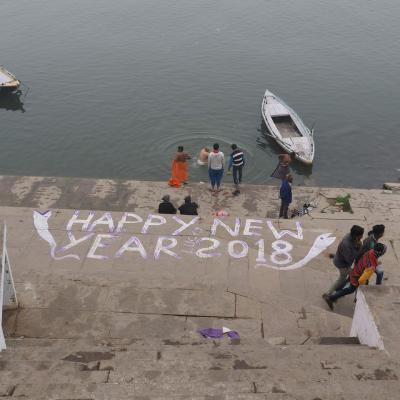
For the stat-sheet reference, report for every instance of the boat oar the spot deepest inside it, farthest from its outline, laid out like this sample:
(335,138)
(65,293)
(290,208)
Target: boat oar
(312,129)
(27,87)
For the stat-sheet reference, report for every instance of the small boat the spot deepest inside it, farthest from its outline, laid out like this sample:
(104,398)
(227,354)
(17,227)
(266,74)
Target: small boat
(8,82)
(287,128)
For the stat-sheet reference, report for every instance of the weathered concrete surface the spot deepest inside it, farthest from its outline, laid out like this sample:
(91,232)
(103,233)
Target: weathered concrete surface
(125,195)
(108,286)
(384,304)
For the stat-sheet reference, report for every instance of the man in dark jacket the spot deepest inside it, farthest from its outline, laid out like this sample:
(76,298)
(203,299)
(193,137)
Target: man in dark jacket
(189,207)
(285,195)
(363,268)
(345,255)
(236,161)
(166,207)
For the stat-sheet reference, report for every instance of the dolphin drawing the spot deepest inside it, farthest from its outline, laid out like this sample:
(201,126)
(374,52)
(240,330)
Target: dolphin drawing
(321,243)
(42,228)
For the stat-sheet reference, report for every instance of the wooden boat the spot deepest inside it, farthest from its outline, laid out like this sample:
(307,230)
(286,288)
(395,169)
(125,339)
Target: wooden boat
(8,82)
(287,128)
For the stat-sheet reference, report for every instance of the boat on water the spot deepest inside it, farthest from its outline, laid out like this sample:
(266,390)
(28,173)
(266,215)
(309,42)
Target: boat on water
(8,82)
(287,128)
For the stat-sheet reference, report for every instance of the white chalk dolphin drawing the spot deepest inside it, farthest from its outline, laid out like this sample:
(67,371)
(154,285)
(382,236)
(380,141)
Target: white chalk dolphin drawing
(321,243)
(42,228)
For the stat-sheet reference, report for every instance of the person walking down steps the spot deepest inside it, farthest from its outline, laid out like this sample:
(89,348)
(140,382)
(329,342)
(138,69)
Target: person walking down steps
(216,162)
(369,243)
(345,255)
(236,162)
(360,274)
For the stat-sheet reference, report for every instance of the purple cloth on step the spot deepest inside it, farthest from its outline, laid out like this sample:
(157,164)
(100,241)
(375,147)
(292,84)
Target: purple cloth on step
(215,333)
(233,335)
(211,333)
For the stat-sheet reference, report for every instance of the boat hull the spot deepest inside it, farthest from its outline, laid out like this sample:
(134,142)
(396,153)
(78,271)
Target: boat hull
(287,129)
(8,82)
(10,88)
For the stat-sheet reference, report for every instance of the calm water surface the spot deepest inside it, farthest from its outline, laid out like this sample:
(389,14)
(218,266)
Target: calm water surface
(115,86)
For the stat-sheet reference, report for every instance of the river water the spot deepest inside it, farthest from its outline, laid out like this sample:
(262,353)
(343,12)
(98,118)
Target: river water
(116,86)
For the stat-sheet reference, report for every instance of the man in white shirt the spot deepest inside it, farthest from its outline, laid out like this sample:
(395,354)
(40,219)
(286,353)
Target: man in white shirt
(216,161)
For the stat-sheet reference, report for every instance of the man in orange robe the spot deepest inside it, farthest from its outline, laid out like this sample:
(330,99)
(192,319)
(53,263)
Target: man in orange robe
(180,168)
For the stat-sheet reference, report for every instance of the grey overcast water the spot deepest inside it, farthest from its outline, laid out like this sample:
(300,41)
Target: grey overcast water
(115,86)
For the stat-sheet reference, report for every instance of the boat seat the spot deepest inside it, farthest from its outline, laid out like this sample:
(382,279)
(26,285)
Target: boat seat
(275,109)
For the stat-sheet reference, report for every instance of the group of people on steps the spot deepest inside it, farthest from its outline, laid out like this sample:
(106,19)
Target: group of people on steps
(356,261)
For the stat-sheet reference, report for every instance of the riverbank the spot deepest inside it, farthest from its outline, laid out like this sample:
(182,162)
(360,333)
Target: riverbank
(128,195)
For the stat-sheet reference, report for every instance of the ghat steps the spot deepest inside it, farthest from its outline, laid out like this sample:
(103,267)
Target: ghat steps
(126,327)
(201,369)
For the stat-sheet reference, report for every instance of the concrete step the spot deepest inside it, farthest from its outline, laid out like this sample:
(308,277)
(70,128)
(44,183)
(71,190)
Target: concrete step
(90,350)
(266,390)
(161,361)
(101,311)
(32,349)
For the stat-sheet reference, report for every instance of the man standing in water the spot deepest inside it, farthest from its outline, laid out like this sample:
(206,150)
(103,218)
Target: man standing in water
(180,168)
(236,161)
(216,161)
(203,156)
(283,168)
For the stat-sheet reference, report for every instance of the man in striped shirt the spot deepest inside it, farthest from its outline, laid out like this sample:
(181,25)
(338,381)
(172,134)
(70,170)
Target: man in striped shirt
(236,161)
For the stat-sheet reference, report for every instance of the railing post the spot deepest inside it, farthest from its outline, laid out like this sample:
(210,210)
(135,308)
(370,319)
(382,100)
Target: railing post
(8,296)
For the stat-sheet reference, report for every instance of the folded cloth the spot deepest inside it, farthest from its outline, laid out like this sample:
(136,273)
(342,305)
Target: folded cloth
(216,333)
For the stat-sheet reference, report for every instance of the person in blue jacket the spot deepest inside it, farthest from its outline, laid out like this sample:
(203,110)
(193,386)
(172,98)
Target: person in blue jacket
(285,195)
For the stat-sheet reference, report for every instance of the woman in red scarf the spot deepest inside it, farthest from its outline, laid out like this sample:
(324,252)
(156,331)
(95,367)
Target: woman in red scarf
(180,168)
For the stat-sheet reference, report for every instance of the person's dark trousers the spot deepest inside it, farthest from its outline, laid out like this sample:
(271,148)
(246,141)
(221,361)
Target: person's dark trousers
(379,275)
(237,175)
(284,210)
(349,288)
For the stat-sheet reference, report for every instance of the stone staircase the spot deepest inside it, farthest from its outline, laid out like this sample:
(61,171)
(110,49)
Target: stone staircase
(201,369)
(127,327)
(88,345)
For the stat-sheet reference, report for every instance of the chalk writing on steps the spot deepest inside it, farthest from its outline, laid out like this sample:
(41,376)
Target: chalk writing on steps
(105,236)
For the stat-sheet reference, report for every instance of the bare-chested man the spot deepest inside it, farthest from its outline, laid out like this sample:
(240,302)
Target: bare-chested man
(203,156)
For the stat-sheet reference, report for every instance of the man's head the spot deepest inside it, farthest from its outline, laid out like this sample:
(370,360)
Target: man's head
(165,198)
(356,232)
(289,178)
(234,146)
(378,231)
(215,146)
(180,149)
(188,199)
(206,149)
(379,250)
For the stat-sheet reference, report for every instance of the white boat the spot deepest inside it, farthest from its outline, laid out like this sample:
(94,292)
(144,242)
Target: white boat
(8,82)
(287,128)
